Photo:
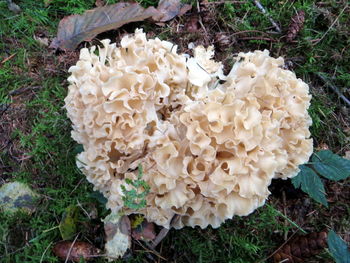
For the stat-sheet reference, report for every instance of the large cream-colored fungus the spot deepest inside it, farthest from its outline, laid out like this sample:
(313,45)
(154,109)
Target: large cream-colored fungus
(209,144)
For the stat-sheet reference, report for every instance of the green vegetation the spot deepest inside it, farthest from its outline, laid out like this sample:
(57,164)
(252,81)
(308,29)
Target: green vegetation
(135,198)
(36,147)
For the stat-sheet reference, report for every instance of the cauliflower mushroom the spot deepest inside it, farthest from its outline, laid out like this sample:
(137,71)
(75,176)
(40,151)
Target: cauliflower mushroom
(209,144)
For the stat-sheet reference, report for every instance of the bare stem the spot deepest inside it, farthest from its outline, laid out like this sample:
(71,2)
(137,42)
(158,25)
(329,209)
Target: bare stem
(263,10)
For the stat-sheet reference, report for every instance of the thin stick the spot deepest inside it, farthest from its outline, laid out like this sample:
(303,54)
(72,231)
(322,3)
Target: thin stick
(201,23)
(334,88)
(331,26)
(22,90)
(285,242)
(285,213)
(224,2)
(70,249)
(42,256)
(8,58)
(249,31)
(263,10)
(289,220)
(257,38)
(82,208)
(151,250)
(161,235)
(75,188)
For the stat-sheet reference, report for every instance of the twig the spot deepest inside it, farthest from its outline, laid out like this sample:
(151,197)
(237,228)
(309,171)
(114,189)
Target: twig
(161,235)
(257,38)
(75,188)
(42,256)
(249,31)
(263,10)
(285,242)
(334,88)
(22,90)
(201,23)
(82,208)
(289,220)
(223,2)
(151,250)
(71,247)
(331,26)
(8,58)
(285,213)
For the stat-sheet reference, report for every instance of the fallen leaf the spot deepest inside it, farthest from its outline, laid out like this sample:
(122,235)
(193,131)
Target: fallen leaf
(145,231)
(168,9)
(75,250)
(74,29)
(68,224)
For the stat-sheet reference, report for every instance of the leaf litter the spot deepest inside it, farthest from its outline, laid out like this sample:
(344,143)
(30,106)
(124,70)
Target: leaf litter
(74,29)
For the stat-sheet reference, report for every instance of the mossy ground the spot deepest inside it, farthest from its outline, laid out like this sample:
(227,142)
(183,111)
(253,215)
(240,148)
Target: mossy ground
(36,147)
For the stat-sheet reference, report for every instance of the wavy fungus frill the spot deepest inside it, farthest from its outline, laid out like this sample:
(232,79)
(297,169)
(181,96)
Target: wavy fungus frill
(209,144)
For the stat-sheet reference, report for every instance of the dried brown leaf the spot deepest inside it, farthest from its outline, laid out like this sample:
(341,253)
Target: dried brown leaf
(75,250)
(74,29)
(99,3)
(145,231)
(168,9)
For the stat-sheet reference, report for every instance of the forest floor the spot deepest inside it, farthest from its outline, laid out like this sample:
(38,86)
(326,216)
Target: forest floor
(36,146)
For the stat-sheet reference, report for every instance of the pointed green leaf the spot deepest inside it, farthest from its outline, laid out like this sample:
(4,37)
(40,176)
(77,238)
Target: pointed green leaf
(98,196)
(338,248)
(331,166)
(78,149)
(311,184)
(68,224)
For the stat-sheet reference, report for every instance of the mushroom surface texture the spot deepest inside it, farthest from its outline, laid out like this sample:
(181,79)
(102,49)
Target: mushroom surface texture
(209,144)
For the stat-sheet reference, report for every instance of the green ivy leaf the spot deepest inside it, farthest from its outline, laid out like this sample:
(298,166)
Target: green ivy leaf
(331,166)
(98,196)
(68,224)
(338,248)
(78,149)
(311,184)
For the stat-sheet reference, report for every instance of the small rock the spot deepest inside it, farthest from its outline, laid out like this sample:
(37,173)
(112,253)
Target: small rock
(16,197)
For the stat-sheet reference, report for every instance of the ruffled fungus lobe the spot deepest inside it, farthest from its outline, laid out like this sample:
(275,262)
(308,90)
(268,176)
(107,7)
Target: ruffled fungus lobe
(209,144)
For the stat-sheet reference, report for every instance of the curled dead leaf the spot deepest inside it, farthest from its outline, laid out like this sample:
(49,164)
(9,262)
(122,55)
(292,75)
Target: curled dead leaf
(74,29)
(75,250)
